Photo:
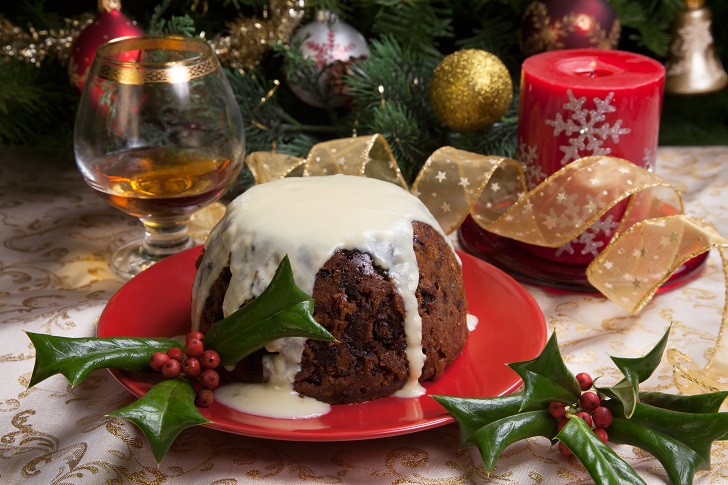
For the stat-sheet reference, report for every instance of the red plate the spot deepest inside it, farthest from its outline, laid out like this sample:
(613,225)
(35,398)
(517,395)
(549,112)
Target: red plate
(156,303)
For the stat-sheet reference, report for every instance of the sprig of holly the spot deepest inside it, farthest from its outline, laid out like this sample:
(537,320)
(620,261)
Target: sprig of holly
(677,430)
(168,408)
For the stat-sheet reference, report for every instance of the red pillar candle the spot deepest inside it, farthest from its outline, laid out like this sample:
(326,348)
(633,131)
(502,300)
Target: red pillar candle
(582,102)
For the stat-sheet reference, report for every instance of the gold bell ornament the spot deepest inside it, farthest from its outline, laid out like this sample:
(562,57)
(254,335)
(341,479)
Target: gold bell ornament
(692,65)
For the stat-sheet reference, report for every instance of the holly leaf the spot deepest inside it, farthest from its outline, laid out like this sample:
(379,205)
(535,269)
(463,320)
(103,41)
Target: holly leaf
(163,413)
(677,430)
(681,441)
(281,310)
(494,437)
(546,378)
(698,403)
(602,463)
(75,358)
(474,413)
(635,370)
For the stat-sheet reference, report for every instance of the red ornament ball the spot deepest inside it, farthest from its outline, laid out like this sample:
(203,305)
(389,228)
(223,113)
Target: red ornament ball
(108,25)
(568,24)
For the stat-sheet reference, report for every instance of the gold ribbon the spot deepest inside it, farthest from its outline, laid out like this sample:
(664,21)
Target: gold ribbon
(653,240)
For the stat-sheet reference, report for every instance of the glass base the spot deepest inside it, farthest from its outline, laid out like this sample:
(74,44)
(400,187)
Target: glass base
(132,258)
(509,256)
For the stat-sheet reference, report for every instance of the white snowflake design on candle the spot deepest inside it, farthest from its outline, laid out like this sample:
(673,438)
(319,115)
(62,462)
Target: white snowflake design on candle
(586,128)
(528,156)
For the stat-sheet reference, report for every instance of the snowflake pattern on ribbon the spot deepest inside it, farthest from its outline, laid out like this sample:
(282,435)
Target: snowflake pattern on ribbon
(586,128)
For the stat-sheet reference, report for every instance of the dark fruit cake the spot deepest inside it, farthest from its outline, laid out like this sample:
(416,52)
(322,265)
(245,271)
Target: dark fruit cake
(385,281)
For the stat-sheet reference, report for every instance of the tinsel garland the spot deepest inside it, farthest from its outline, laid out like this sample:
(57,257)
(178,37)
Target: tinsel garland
(244,44)
(35,46)
(248,39)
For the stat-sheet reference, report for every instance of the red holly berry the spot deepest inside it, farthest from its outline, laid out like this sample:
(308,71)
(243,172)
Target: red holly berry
(589,401)
(562,423)
(585,381)
(602,417)
(210,378)
(602,434)
(564,450)
(196,383)
(586,417)
(204,398)
(176,354)
(171,369)
(557,409)
(193,335)
(157,360)
(209,359)
(191,367)
(194,347)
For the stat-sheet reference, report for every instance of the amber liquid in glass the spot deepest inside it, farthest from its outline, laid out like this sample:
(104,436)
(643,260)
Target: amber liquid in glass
(162,182)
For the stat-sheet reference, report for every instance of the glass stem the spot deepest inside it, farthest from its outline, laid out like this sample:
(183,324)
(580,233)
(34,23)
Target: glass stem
(165,238)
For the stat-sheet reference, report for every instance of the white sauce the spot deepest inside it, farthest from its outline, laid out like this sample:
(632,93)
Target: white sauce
(472,321)
(270,401)
(309,219)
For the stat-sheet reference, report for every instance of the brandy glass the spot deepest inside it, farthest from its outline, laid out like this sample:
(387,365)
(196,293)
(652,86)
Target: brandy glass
(158,135)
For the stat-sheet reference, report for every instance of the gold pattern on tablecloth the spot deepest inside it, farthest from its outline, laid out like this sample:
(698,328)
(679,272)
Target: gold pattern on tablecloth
(654,238)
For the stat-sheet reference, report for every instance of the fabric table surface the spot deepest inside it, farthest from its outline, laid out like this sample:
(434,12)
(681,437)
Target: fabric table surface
(56,238)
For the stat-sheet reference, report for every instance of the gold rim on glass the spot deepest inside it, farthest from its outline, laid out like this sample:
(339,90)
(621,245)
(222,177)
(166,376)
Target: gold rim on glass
(198,60)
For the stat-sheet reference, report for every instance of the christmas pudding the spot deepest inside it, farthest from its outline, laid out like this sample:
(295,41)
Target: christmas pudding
(384,278)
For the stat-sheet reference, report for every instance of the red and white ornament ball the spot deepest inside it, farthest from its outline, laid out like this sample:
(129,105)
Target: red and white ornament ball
(108,25)
(568,24)
(332,44)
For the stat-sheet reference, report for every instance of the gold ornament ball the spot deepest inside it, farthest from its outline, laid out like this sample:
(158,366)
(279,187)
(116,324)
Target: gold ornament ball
(470,90)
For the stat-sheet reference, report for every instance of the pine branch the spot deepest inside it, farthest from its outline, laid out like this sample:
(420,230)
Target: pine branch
(390,90)
(417,24)
(267,125)
(33,105)
(500,139)
(647,22)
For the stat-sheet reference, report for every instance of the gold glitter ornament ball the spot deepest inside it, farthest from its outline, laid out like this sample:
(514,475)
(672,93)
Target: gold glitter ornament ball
(470,90)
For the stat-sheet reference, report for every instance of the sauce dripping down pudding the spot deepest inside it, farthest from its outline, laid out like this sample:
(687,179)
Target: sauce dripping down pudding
(384,278)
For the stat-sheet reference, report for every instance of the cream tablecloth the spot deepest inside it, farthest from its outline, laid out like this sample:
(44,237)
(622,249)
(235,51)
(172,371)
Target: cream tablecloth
(56,238)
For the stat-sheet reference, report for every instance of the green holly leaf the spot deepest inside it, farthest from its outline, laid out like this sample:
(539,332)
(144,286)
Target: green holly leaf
(163,413)
(75,358)
(474,413)
(699,403)
(493,438)
(681,441)
(677,430)
(546,378)
(282,310)
(635,370)
(602,463)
